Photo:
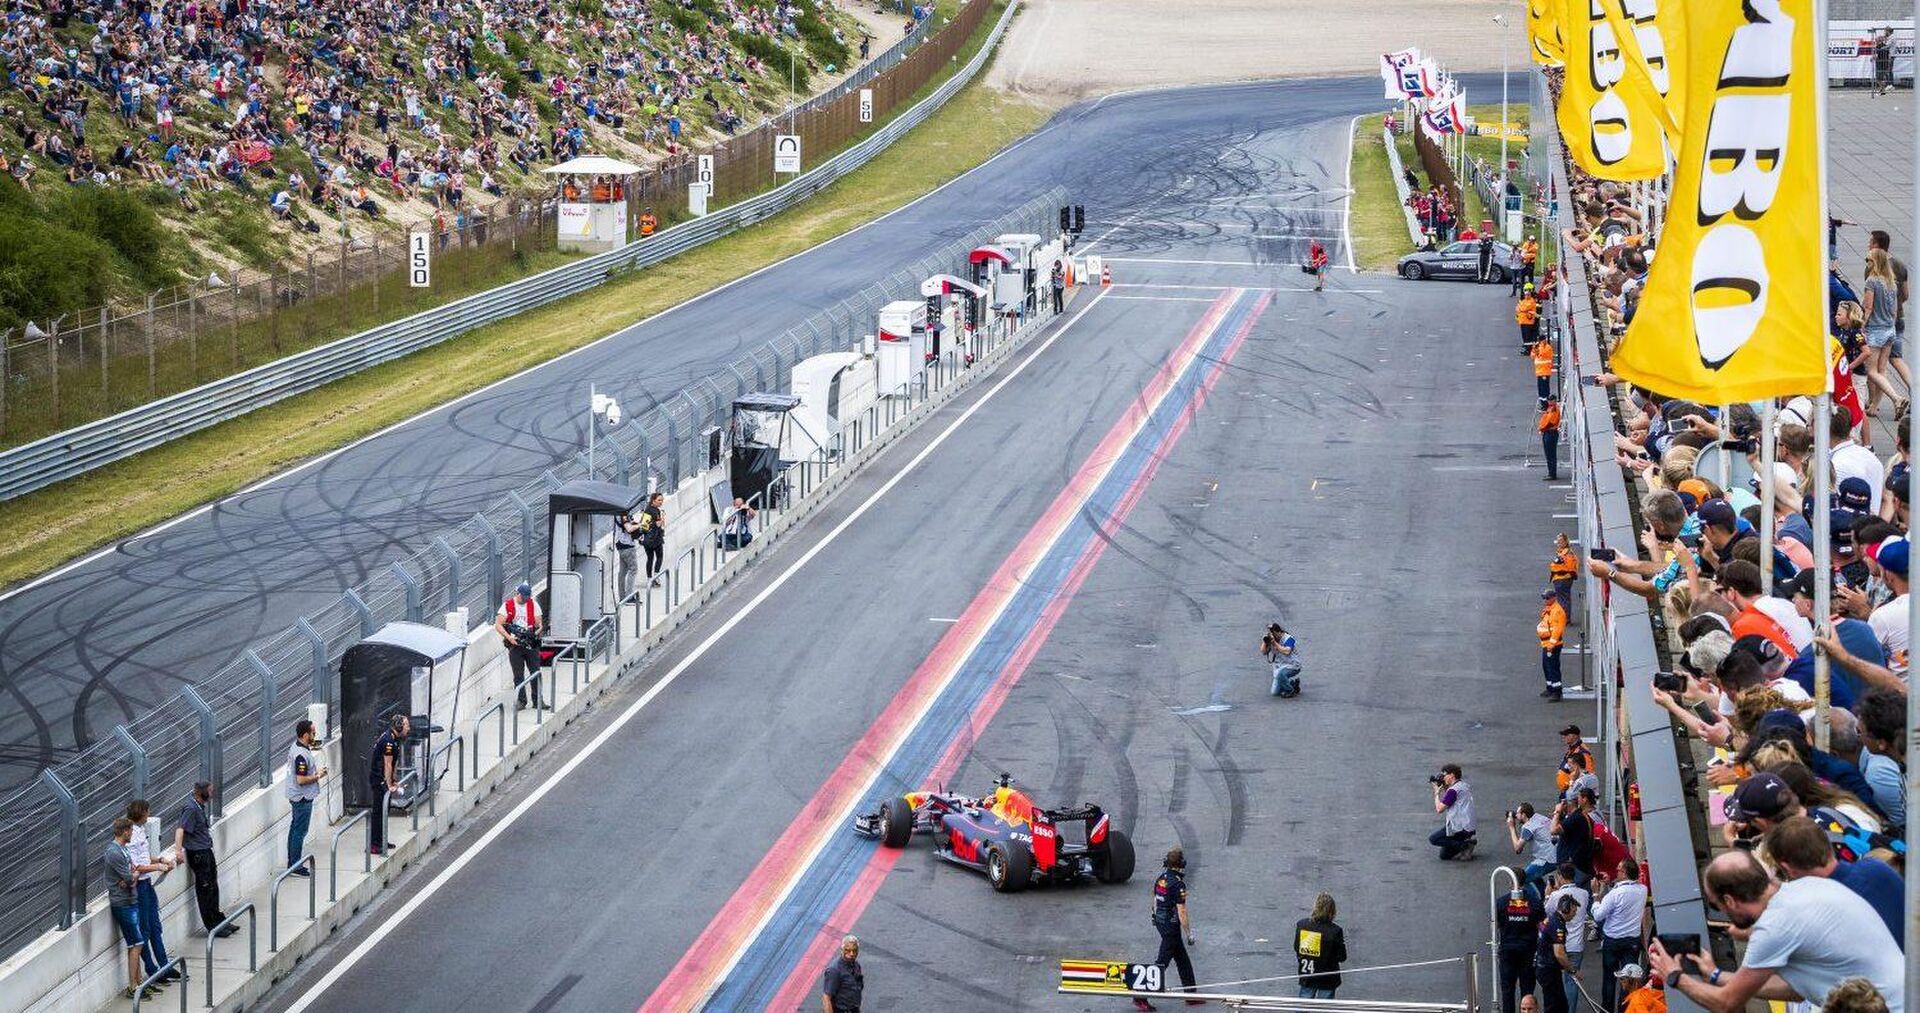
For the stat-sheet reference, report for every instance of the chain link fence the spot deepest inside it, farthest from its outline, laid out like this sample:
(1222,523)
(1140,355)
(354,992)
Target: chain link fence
(90,364)
(231,726)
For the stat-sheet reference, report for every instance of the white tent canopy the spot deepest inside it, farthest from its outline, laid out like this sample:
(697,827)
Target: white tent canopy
(593,165)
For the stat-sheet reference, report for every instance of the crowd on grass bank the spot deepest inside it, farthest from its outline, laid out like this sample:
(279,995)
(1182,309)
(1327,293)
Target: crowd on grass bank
(1808,802)
(387,102)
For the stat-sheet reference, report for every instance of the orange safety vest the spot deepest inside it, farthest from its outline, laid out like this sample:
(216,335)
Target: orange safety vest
(1526,311)
(647,224)
(1550,418)
(1530,252)
(1542,358)
(1553,624)
(1562,568)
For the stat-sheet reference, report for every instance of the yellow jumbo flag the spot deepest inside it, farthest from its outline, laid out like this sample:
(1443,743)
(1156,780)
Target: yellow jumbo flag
(1642,28)
(1609,119)
(1735,308)
(1543,33)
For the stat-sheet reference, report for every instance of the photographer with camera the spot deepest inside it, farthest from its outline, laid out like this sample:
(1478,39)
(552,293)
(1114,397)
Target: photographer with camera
(1527,829)
(1453,800)
(519,625)
(1573,834)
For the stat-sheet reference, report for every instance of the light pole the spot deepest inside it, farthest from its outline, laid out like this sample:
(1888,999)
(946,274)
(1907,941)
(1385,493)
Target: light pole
(1501,211)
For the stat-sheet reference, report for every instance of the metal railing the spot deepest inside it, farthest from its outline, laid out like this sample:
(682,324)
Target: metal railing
(83,448)
(366,853)
(253,942)
(308,863)
(140,990)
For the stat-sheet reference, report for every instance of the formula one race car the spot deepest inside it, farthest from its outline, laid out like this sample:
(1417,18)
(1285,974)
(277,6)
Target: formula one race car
(1005,835)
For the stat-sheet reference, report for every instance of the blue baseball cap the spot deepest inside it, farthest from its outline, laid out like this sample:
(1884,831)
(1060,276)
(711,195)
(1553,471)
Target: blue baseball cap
(524,588)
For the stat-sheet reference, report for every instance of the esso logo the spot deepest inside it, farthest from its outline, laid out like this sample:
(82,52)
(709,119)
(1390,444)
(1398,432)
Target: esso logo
(1042,830)
(1740,165)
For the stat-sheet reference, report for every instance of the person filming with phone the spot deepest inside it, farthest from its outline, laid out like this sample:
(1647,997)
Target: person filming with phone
(1805,937)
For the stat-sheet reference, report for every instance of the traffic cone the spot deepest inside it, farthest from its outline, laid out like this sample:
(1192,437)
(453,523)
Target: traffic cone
(1106,276)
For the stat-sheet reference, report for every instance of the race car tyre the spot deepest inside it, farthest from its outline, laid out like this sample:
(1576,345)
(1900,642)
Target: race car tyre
(1414,271)
(896,822)
(1117,865)
(1009,866)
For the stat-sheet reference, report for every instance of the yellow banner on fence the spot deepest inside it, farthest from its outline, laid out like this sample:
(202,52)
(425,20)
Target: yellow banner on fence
(1735,308)
(1642,27)
(1609,119)
(1543,33)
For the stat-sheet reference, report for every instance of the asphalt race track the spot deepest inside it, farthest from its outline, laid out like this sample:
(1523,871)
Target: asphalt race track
(110,638)
(1067,583)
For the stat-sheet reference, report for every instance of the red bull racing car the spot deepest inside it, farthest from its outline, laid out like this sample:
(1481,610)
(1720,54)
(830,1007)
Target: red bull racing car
(1006,836)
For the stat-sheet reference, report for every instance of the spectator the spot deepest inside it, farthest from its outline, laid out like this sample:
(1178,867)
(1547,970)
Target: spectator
(119,871)
(1889,621)
(1573,836)
(653,535)
(1453,800)
(304,773)
(1807,936)
(1844,742)
(145,865)
(1571,898)
(1801,848)
(627,549)
(1850,459)
(1518,916)
(736,528)
(193,837)
(1320,944)
(1576,759)
(1880,300)
(1883,718)
(1620,912)
(1855,995)
(1531,833)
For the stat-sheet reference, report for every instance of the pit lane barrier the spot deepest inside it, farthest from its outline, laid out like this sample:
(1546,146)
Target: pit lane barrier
(1646,764)
(262,811)
(86,447)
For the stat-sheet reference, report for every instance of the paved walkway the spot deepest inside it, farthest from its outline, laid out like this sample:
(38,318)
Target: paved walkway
(1870,145)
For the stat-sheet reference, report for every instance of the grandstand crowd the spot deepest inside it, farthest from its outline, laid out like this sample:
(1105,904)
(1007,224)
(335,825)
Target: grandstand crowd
(390,101)
(1808,804)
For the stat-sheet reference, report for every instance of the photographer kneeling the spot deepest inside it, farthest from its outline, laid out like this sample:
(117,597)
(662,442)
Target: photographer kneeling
(1453,800)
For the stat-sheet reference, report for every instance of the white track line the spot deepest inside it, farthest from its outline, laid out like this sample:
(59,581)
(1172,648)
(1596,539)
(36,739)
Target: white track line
(269,480)
(1208,263)
(389,923)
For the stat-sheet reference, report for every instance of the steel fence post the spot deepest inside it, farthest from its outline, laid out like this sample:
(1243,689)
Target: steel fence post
(622,469)
(496,573)
(269,699)
(526,535)
(322,672)
(212,763)
(453,571)
(416,604)
(73,868)
(136,756)
(360,608)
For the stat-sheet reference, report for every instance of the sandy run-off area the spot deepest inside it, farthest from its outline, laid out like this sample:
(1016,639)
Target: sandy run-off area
(1064,50)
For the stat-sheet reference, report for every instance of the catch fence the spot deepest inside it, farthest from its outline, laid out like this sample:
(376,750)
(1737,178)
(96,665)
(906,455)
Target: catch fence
(232,726)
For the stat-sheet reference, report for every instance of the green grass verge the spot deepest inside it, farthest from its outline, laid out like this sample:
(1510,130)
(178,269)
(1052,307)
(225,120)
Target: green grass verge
(1378,225)
(73,517)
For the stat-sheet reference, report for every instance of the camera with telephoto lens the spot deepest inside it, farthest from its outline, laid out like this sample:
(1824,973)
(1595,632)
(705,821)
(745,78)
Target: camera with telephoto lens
(1671,682)
(1740,446)
(1436,779)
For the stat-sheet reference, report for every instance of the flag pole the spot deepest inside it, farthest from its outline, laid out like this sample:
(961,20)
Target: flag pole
(1766,496)
(1823,411)
(1912,913)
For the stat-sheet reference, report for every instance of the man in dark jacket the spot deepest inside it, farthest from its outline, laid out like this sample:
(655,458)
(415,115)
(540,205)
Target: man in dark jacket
(840,987)
(1321,947)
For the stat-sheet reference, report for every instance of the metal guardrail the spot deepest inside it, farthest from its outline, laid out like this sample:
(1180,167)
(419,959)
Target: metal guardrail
(1622,651)
(81,449)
